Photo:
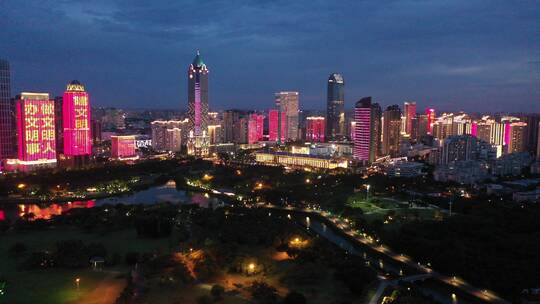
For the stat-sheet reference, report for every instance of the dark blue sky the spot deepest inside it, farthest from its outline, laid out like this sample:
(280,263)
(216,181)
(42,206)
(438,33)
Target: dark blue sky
(458,54)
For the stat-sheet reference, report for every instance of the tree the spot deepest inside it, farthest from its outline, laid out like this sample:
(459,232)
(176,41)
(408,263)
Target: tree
(263,293)
(17,249)
(204,300)
(294,297)
(217,291)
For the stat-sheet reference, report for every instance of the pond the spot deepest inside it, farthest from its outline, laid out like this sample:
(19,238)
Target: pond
(158,194)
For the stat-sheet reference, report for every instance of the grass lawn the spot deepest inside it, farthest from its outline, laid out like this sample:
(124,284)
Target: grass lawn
(58,285)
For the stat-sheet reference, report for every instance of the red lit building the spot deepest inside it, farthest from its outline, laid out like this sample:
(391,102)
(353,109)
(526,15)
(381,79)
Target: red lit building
(315,128)
(409,109)
(76,121)
(123,147)
(255,128)
(273,125)
(36,130)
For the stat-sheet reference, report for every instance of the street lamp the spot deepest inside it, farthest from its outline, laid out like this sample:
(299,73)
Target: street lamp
(367,192)
(78,281)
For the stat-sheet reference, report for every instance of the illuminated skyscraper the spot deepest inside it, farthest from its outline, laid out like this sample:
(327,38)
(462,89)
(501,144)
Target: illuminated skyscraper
(315,126)
(76,120)
(198,107)
(409,110)
(277,126)
(391,130)
(430,112)
(255,128)
(35,129)
(367,130)
(197,96)
(287,102)
(7,114)
(335,107)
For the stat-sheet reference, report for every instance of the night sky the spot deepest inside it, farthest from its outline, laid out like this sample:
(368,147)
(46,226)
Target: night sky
(454,55)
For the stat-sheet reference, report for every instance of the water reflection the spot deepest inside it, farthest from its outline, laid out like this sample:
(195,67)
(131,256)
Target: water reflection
(160,194)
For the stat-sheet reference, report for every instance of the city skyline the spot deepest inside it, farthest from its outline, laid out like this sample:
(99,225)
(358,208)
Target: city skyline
(444,61)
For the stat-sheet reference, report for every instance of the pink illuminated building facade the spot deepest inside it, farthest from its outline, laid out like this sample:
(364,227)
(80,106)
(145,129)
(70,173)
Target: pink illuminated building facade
(123,147)
(36,130)
(274,131)
(430,112)
(255,128)
(76,120)
(367,117)
(315,128)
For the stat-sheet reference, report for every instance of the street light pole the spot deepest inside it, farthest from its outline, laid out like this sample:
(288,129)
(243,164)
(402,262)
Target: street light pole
(367,193)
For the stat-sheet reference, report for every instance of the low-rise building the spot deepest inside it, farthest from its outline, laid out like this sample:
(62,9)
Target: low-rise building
(527,196)
(300,160)
(463,172)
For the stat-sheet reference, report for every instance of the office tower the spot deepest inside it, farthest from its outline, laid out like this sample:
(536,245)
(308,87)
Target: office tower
(7,114)
(197,96)
(391,130)
(123,147)
(198,108)
(430,113)
(287,102)
(315,126)
(277,126)
(517,137)
(35,129)
(409,111)
(367,130)
(335,107)
(76,120)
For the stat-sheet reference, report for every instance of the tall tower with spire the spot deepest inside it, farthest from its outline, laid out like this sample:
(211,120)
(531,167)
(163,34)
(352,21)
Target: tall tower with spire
(198,96)
(198,107)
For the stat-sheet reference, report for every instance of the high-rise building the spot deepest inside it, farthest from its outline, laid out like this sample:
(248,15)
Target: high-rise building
(517,137)
(59,124)
(36,130)
(230,120)
(315,126)
(287,102)
(198,107)
(538,144)
(76,120)
(277,125)
(96,131)
(197,96)
(458,148)
(431,116)
(391,131)
(7,114)
(423,126)
(168,135)
(409,111)
(255,127)
(367,130)
(335,107)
